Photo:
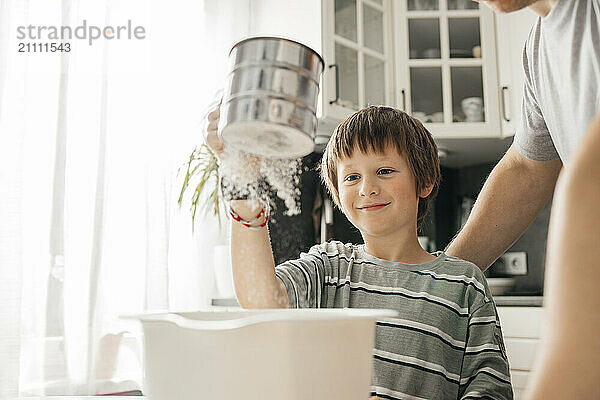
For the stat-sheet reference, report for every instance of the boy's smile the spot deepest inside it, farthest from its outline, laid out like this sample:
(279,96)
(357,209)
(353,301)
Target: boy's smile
(373,206)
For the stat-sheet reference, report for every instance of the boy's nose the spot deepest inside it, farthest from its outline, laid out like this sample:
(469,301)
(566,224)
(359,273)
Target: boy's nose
(368,189)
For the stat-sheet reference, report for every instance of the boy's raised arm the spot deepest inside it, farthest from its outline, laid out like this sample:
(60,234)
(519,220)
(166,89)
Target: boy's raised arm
(256,285)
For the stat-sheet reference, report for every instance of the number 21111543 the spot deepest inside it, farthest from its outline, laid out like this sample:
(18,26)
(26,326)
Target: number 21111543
(44,47)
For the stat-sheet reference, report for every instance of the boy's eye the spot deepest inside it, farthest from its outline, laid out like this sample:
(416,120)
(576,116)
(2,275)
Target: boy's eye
(385,171)
(350,178)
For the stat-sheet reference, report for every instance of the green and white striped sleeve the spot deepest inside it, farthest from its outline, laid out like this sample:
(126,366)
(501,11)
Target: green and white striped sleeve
(303,278)
(485,371)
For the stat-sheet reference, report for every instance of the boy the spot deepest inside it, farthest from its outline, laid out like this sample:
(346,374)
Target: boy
(382,170)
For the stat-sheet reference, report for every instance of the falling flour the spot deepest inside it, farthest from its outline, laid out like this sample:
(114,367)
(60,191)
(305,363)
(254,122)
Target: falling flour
(245,175)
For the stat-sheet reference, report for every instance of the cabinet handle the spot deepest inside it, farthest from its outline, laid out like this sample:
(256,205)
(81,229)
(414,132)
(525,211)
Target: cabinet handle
(403,100)
(337,84)
(503,89)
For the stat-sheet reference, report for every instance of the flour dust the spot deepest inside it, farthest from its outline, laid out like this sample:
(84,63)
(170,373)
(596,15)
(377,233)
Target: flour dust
(245,175)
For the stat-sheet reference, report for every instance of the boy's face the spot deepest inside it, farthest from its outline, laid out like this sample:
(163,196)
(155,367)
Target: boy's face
(377,192)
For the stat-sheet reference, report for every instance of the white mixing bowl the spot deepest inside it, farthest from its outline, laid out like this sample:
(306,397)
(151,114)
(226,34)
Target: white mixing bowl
(260,354)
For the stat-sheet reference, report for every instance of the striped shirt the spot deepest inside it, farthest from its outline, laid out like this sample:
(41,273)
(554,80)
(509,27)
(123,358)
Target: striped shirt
(446,342)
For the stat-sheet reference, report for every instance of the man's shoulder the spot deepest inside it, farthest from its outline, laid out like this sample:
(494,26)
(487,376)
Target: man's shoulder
(531,47)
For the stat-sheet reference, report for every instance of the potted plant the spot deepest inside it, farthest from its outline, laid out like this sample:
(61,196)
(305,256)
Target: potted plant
(202,176)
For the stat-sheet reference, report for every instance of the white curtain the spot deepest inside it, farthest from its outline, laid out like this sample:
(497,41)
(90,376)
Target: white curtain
(90,146)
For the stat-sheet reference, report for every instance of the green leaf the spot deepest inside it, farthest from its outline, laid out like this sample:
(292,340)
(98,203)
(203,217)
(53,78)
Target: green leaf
(202,164)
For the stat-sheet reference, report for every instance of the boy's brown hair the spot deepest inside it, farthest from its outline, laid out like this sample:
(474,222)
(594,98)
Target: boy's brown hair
(373,129)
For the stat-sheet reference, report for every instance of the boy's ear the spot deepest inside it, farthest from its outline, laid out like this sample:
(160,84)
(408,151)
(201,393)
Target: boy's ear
(426,191)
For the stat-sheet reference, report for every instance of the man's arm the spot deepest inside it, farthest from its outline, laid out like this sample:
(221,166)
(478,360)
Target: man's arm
(568,367)
(513,195)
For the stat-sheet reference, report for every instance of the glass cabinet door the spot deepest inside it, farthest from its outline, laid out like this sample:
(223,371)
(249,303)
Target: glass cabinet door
(426,95)
(345,19)
(448,70)
(347,70)
(360,56)
(465,80)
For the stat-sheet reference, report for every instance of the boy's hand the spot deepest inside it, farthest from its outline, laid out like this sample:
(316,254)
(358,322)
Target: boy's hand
(211,136)
(246,165)
(241,168)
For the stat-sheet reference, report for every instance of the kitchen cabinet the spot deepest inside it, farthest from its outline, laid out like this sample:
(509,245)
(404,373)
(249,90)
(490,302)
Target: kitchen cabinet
(423,56)
(446,66)
(522,328)
(355,39)
(512,31)
(455,65)
(357,47)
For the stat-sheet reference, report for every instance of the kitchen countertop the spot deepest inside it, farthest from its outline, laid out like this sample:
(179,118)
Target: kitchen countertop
(519,301)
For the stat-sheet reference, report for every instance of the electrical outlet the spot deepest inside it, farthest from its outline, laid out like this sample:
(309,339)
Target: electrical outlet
(514,263)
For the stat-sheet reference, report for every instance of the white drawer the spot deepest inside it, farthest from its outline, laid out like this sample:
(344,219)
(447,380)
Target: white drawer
(519,394)
(519,379)
(521,353)
(522,322)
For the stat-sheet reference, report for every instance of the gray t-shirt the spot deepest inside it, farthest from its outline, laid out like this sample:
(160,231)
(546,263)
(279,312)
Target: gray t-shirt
(446,342)
(561,61)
